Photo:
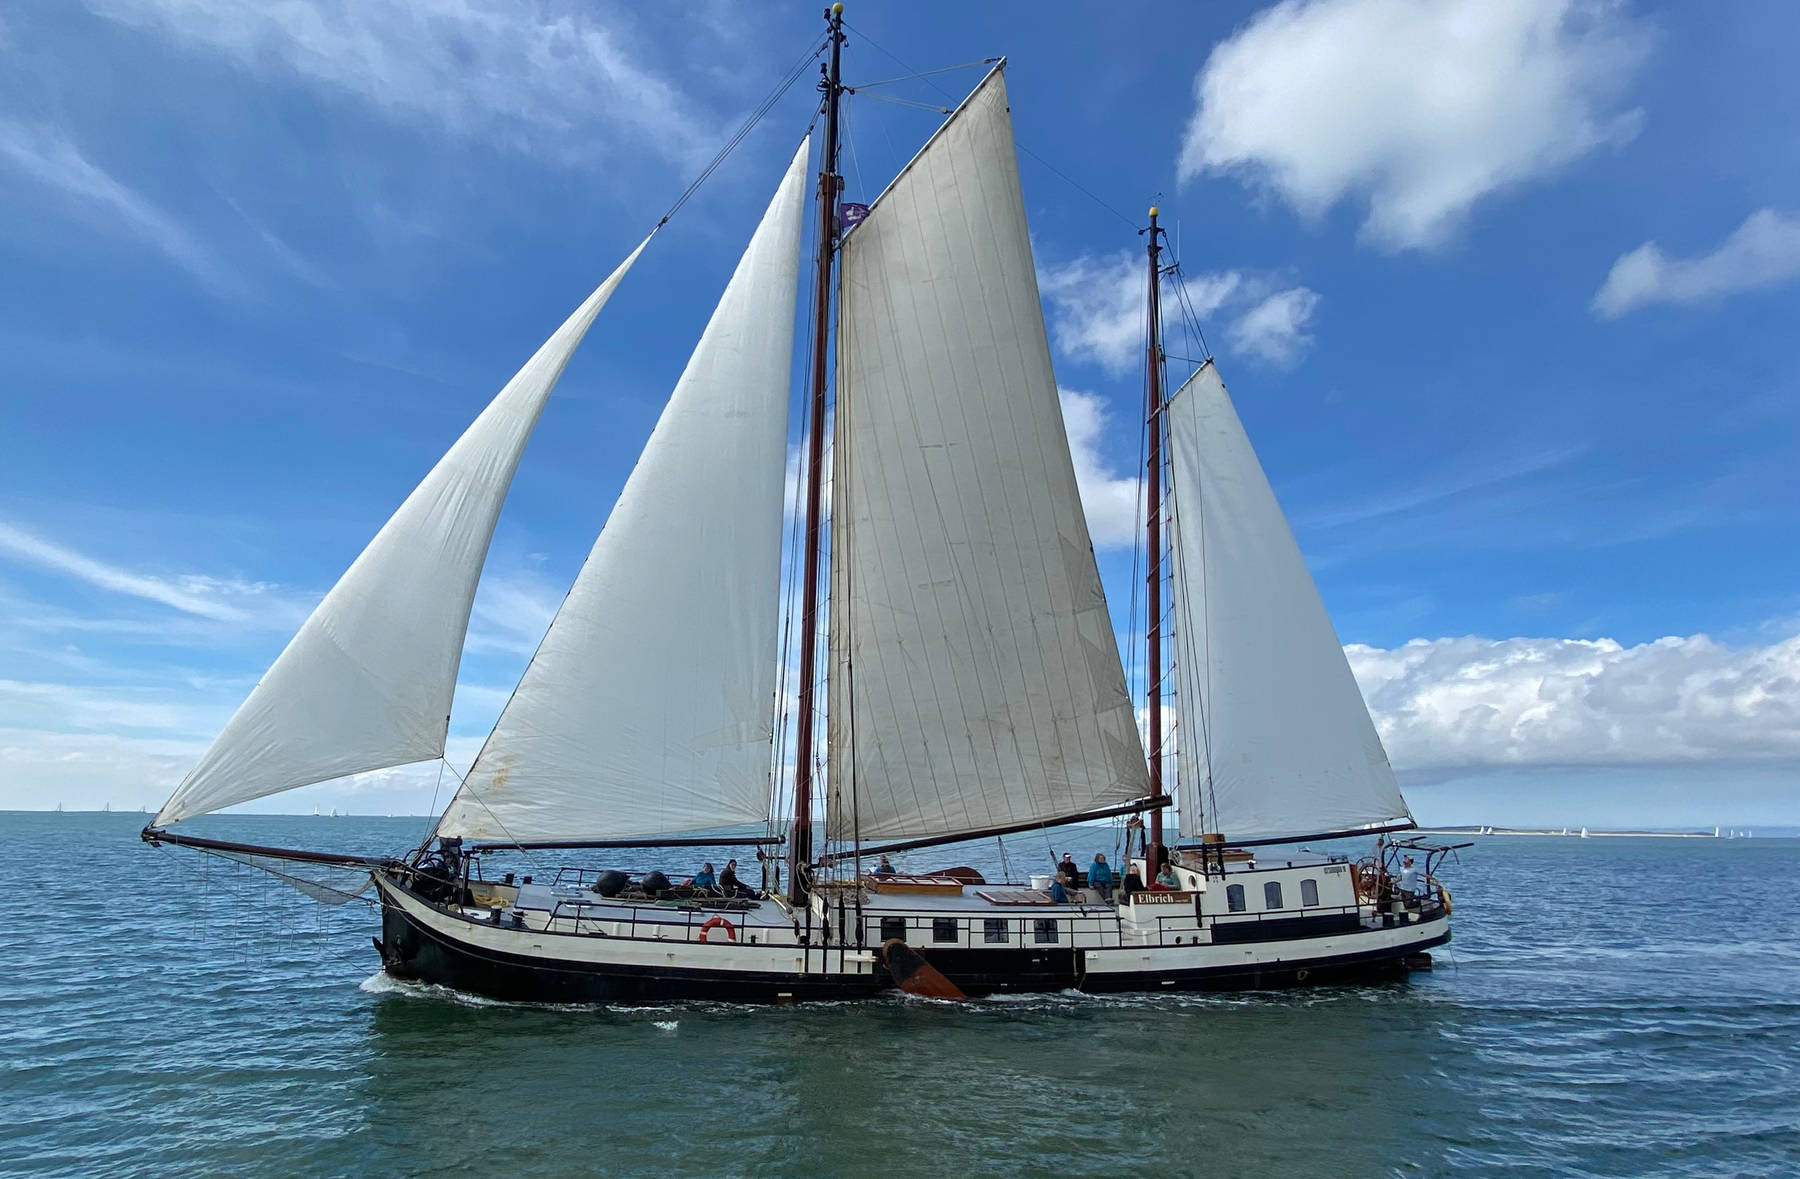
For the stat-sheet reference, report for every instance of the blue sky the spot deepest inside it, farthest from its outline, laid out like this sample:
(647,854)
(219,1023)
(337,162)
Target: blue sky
(1506,295)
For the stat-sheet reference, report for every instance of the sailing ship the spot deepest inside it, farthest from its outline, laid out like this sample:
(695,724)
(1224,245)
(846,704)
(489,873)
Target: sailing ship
(973,686)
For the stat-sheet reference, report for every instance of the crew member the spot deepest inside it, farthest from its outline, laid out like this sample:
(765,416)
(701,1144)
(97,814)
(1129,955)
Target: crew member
(1100,877)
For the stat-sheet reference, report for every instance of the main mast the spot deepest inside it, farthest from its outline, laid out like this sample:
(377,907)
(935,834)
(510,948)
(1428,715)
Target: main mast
(800,835)
(1153,671)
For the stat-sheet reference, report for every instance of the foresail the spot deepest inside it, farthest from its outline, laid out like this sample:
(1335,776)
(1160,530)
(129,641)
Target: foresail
(975,679)
(1274,739)
(367,681)
(648,708)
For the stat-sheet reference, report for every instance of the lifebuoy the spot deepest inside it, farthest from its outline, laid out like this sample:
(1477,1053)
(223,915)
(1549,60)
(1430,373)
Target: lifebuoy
(713,923)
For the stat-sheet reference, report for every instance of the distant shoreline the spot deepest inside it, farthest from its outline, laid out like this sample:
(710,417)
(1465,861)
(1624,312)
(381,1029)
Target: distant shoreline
(1559,833)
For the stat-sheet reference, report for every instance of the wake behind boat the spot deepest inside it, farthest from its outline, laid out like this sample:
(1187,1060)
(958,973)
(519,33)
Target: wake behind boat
(973,686)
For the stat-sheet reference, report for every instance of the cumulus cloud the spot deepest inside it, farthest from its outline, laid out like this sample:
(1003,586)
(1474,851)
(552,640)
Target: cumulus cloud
(1110,500)
(1463,703)
(1097,307)
(1276,328)
(1762,252)
(1421,109)
(530,76)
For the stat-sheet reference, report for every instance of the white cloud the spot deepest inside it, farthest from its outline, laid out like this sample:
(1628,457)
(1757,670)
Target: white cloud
(1276,328)
(1461,703)
(1764,251)
(532,76)
(193,594)
(1109,500)
(1422,108)
(47,156)
(512,612)
(1097,310)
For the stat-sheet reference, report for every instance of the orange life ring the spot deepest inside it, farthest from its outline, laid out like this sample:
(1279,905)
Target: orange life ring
(713,923)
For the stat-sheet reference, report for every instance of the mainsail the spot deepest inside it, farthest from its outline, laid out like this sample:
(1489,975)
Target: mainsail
(367,681)
(648,708)
(975,679)
(1275,740)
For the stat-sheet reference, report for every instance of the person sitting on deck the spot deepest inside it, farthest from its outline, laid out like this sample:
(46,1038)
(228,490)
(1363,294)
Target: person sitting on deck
(1166,880)
(1069,869)
(884,868)
(704,878)
(1100,876)
(1058,894)
(729,883)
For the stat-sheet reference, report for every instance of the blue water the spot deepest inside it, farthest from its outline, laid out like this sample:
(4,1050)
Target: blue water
(1617,1007)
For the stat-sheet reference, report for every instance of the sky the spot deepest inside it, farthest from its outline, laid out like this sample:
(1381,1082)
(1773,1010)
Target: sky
(1506,295)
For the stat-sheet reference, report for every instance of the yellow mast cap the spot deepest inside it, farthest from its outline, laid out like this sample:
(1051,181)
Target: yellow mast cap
(1153,210)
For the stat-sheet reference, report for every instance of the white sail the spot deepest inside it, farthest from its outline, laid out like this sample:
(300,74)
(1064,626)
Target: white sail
(975,679)
(1275,739)
(367,681)
(648,708)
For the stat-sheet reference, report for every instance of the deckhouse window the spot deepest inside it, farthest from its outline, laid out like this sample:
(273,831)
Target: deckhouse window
(1309,892)
(994,930)
(893,927)
(943,929)
(1272,895)
(1234,898)
(1044,929)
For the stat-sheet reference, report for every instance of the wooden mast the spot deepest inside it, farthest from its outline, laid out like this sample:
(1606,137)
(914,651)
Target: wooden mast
(1153,666)
(800,835)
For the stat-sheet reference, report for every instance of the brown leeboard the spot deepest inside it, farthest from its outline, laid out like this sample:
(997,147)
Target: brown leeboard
(913,974)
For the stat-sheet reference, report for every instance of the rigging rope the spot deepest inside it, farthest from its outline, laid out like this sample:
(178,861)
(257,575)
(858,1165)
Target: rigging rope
(756,116)
(926,74)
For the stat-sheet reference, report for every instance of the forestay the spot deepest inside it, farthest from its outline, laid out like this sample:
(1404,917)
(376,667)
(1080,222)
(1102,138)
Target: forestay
(975,680)
(648,708)
(1274,737)
(367,681)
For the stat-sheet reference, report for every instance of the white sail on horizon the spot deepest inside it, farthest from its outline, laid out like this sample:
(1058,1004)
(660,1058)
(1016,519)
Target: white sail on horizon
(1276,740)
(648,708)
(367,681)
(975,680)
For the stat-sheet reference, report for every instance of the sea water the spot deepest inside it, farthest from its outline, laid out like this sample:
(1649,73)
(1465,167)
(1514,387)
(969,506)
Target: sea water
(1616,1007)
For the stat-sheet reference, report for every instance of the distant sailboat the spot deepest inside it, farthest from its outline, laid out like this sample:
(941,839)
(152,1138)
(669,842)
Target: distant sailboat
(1584,833)
(974,685)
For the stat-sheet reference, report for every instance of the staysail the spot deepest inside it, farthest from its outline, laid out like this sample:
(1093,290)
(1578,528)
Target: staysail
(367,681)
(1275,740)
(648,708)
(975,680)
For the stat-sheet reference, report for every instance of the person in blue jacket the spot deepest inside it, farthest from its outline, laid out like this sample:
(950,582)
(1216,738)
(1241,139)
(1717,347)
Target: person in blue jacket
(705,878)
(1100,878)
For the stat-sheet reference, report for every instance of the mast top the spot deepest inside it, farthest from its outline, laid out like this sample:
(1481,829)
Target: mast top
(1153,211)
(837,10)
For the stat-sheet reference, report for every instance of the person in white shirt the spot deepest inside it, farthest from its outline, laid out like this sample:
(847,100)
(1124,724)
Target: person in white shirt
(1410,884)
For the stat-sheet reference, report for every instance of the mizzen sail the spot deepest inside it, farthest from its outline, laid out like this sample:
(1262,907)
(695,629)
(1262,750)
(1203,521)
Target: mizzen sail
(975,679)
(1275,739)
(648,708)
(367,682)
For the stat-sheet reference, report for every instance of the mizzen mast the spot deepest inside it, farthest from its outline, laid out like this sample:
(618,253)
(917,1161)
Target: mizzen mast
(800,835)
(1153,663)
